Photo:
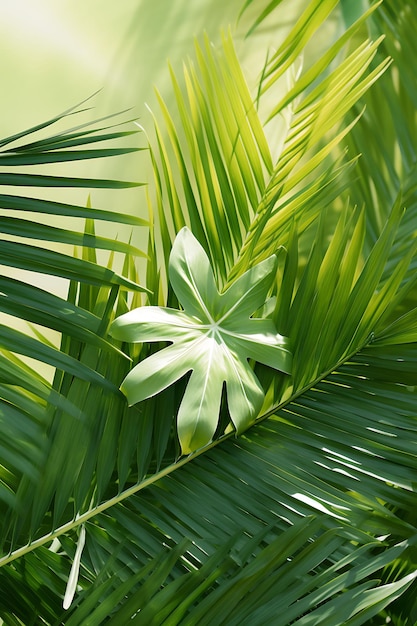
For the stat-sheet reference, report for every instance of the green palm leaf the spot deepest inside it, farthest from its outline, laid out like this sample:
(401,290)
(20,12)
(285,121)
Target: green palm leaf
(31,405)
(308,516)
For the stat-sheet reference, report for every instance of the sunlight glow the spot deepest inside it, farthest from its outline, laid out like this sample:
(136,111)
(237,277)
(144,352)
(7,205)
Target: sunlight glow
(302,497)
(42,27)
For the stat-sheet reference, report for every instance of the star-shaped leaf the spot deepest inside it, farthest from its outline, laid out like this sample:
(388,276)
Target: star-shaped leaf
(213,338)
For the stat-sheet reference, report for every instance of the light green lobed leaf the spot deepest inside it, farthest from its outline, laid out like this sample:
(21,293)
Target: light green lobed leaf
(213,337)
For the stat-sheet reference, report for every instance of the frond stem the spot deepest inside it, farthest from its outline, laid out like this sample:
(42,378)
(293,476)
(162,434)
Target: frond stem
(84,517)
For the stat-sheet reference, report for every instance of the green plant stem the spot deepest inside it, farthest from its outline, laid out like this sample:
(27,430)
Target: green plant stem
(84,517)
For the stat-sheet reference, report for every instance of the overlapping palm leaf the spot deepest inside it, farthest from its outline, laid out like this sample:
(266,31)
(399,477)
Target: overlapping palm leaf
(28,400)
(308,517)
(229,164)
(265,484)
(341,450)
(389,168)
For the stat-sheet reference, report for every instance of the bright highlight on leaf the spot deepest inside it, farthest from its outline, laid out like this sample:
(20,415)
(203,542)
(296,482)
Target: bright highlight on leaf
(213,337)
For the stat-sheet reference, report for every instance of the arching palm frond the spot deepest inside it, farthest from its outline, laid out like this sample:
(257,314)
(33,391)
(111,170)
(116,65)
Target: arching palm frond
(308,516)
(28,399)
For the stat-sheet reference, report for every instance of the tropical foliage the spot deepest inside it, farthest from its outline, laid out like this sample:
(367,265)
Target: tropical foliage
(291,207)
(213,336)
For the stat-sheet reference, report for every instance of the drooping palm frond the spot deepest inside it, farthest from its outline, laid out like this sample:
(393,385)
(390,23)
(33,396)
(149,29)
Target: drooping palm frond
(306,518)
(27,398)
(297,464)
(388,166)
(219,588)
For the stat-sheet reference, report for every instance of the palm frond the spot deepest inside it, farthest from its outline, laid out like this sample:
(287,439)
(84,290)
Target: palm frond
(309,516)
(230,166)
(336,453)
(386,168)
(336,449)
(28,400)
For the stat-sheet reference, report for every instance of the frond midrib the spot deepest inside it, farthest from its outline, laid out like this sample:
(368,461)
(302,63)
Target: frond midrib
(150,480)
